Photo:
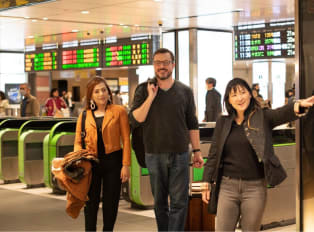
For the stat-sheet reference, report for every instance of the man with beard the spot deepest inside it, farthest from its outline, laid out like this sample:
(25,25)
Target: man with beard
(166,111)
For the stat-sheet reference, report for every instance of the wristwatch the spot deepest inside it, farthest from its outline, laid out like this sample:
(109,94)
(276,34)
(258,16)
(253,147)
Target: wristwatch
(196,150)
(299,110)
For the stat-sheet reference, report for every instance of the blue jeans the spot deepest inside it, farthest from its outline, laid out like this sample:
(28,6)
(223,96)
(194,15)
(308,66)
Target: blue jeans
(169,176)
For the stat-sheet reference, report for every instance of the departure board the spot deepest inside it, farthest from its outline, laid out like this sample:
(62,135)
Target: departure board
(264,41)
(80,58)
(41,61)
(127,52)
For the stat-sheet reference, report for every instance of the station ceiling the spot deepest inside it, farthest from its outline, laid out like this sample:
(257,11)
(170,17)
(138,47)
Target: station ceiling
(57,21)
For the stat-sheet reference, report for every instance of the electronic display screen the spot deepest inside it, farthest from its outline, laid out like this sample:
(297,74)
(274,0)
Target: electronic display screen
(128,52)
(263,41)
(8,4)
(74,58)
(41,61)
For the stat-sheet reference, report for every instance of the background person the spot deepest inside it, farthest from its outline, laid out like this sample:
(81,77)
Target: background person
(106,124)
(213,101)
(29,105)
(166,110)
(4,103)
(241,159)
(54,104)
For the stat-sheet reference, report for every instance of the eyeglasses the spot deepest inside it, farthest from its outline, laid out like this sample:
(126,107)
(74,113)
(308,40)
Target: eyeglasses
(164,63)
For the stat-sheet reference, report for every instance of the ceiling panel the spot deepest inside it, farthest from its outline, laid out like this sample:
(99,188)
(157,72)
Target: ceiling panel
(64,16)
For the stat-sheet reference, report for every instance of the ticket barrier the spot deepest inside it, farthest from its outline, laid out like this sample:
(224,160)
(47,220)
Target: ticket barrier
(140,194)
(30,150)
(57,143)
(281,201)
(8,149)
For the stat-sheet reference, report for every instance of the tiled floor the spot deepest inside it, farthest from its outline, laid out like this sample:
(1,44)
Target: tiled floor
(37,209)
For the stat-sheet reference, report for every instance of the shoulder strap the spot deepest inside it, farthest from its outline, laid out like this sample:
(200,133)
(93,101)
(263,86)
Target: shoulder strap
(83,132)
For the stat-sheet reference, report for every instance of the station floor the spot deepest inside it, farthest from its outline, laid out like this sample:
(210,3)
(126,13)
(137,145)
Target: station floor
(37,209)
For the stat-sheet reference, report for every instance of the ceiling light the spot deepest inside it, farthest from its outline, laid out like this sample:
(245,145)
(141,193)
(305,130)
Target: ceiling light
(157,0)
(27,17)
(85,12)
(136,25)
(121,24)
(34,20)
(30,37)
(45,18)
(75,30)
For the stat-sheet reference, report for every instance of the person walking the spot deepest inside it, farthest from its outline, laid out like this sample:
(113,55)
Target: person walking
(241,161)
(54,104)
(29,105)
(213,101)
(105,125)
(166,110)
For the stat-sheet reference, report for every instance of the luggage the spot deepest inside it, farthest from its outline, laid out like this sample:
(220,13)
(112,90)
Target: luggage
(198,218)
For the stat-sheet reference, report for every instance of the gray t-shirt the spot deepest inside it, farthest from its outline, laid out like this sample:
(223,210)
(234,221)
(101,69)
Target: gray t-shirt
(171,116)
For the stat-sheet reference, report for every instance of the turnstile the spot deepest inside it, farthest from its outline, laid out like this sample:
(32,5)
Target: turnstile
(9,149)
(30,150)
(57,143)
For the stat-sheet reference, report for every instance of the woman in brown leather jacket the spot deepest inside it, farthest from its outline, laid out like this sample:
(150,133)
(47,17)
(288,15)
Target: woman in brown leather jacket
(106,125)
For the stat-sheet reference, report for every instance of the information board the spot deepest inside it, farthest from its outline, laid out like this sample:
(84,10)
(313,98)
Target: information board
(264,41)
(41,61)
(80,58)
(128,52)
(8,4)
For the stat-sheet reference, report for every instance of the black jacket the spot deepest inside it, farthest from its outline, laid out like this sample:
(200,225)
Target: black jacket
(213,105)
(260,137)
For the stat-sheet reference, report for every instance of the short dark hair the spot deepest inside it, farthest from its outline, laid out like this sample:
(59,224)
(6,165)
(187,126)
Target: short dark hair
(254,85)
(162,51)
(2,95)
(211,80)
(52,91)
(233,85)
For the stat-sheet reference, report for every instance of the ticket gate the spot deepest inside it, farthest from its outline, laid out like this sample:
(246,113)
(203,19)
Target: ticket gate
(8,149)
(57,143)
(30,150)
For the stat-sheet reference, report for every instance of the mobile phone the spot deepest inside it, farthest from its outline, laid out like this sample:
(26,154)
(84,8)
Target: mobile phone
(152,81)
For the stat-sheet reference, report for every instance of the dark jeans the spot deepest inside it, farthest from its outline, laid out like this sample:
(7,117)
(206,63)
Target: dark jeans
(169,176)
(106,173)
(245,198)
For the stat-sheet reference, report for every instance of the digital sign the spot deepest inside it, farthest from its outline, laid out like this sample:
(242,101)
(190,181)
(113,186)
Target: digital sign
(41,61)
(80,58)
(263,41)
(128,52)
(8,4)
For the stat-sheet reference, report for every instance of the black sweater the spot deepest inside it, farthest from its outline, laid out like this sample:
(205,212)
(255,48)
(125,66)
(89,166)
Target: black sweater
(170,117)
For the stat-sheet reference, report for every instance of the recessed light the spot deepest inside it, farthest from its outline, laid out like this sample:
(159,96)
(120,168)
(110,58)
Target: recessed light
(27,17)
(45,18)
(157,0)
(30,37)
(85,12)
(110,25)
(136,25)
(75,30)
(34,20)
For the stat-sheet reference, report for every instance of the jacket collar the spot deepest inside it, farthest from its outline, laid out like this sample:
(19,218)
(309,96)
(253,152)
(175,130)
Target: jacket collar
(107,118)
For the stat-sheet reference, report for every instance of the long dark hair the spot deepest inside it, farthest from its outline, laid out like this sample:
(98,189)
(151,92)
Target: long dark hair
(90,87)
(233,85)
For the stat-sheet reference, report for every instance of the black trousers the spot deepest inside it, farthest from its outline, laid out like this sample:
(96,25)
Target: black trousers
(106,176)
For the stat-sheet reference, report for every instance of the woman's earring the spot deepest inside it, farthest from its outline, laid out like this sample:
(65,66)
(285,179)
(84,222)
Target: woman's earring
(92,105)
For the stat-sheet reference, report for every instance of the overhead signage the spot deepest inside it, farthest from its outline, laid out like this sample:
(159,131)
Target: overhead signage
(41,60)
(264,41)
(9,4)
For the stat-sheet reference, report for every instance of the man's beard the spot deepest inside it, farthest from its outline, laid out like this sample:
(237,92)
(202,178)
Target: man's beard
(163,78)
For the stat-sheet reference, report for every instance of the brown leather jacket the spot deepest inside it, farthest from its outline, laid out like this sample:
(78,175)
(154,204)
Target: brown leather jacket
(76,180)
(115,128)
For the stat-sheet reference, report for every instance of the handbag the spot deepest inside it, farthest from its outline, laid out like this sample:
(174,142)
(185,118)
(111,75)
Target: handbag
(57,113)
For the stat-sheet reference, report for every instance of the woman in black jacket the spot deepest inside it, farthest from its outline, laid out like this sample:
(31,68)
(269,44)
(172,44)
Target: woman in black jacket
(241,161)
